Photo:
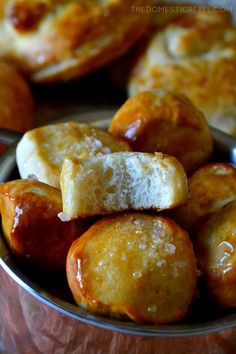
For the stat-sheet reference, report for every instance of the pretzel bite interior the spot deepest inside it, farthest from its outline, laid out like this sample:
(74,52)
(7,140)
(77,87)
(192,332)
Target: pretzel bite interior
(138,265)
(121,181)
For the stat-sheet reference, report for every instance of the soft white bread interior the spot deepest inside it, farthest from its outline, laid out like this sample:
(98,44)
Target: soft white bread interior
(41,151)
(121,181)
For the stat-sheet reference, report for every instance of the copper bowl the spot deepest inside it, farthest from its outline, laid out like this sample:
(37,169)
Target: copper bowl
(38,315)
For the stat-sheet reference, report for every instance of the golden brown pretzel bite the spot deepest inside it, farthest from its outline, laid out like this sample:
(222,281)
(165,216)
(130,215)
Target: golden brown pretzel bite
(16,102)
(166,122)
(216,254)
(42,150)
(210,188)
(31,226)
(138,265)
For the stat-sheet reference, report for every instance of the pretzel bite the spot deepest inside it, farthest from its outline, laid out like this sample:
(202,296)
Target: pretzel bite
(121,181)
(166,122)
(216,255)
(210,189)
(194,55)
(52,40)
(31,226)
(138,265)
(41,151)
(16,102)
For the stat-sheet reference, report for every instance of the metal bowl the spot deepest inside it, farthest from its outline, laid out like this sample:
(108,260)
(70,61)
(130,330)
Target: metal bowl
(30,296)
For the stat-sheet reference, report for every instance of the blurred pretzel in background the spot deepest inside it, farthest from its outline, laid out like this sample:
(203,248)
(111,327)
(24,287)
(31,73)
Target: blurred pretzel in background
(16,102)
(193,54)
(54,40)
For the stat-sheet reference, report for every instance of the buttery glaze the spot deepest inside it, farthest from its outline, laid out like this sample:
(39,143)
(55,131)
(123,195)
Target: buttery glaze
(31,225)
(136,265)
(166,122)
(210,189)
(216,255)
(24,16)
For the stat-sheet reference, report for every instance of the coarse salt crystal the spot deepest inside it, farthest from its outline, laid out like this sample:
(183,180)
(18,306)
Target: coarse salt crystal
(32,177)
(63,217)
(137,274)
(161,263)
(169,248)
(152,308)
(123,257)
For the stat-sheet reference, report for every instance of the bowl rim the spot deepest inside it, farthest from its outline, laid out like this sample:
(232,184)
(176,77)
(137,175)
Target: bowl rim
(8,164)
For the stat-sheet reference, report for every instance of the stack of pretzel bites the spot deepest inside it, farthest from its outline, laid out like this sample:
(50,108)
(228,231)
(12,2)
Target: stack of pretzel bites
(133,180)
(138,213)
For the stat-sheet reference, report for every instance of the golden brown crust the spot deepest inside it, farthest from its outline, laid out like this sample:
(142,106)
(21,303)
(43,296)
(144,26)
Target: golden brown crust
(210,189)
(194,55)
(125,255)
(16,102)
(42,150)
(166,122)
(25,15)
(31,225)
(215,250)
(57,40)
